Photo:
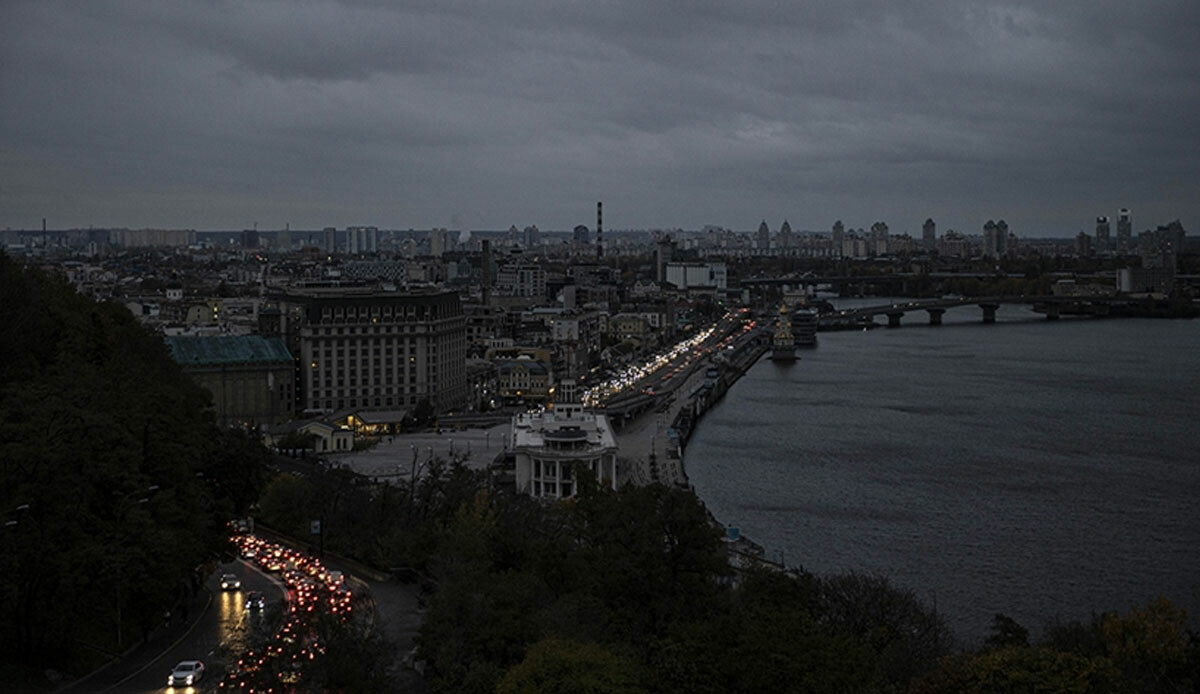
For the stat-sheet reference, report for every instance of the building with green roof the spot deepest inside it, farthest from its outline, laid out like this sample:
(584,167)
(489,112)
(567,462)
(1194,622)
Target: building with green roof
(251,378)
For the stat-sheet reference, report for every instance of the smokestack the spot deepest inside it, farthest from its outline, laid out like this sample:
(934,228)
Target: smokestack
(487,272)
(43,225)
(599,230)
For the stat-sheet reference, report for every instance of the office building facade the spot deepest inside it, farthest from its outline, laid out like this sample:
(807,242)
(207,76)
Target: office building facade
(364,348)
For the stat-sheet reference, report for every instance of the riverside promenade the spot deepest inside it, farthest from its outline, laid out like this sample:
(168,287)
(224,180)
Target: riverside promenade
(650,447)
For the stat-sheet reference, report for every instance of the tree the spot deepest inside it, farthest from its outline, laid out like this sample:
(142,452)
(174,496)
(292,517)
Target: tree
(1153,648)
(101,440)
(555,665)
(1021,670)
(1007,633)
(904,636)
(650,553)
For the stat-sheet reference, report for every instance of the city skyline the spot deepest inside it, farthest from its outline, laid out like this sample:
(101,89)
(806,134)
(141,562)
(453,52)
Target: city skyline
(430,115)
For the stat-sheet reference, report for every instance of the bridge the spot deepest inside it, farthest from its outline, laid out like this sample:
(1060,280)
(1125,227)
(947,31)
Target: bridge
(1051,306)
(865,284)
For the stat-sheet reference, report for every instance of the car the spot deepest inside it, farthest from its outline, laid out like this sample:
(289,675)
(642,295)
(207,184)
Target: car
(186,673)
(255,600)
(230,582)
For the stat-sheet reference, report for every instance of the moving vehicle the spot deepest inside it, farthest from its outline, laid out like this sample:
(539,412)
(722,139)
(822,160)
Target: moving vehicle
(186,673)
(230,582)
(255,600)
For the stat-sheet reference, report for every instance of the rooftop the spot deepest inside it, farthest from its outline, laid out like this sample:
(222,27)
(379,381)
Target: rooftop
(573,427)
(228,349)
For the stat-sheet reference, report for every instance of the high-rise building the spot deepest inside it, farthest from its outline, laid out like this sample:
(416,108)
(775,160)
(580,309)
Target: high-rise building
(995,239)
(283,239)
(762,240)
(1161,247)
(1102,240)
(440,241)
(1083,245)
(364,348)
(580,235)
(929,235)
(532,237)
(362,240)
(663,251)
(879,239)
(600,231)
(785,235)
(838,237)
(1124,231)
(330,240)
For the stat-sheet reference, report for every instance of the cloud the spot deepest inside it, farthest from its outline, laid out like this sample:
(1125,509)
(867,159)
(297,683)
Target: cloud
(676,114)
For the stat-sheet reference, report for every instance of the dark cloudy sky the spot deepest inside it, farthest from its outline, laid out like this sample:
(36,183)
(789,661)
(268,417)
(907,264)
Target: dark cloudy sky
(216,114)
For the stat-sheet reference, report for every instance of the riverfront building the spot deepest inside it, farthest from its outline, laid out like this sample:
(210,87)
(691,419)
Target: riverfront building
(551,448)
(365,348)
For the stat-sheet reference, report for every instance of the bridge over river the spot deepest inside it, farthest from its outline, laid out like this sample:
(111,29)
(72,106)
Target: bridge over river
(1051,306)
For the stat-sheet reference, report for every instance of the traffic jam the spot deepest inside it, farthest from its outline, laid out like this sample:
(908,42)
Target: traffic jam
(314,593)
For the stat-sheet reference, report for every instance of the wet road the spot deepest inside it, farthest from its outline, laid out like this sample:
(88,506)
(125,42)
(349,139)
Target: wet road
(226,630)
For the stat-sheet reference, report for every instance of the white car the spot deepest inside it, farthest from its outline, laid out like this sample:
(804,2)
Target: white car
(186,673)
(230,582)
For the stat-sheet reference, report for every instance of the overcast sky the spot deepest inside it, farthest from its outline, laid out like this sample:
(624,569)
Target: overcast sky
(214,115)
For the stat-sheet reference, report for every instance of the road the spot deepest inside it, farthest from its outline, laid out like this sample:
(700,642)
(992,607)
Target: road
(223,633)
(672,384)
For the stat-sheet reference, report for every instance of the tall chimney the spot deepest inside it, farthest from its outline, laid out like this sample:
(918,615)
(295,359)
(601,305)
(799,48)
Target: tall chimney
(599,230)
(43,225)
(486,278)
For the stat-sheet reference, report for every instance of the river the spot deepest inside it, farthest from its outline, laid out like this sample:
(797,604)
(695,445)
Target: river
(1043,469)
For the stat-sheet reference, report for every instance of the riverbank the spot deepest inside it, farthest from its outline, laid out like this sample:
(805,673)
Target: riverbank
(667,465)
(738,362)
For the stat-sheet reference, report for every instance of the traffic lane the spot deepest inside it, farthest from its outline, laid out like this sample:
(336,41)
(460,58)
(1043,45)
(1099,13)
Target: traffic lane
(222,636)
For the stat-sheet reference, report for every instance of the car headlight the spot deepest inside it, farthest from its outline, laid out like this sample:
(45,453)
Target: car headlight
(189,679)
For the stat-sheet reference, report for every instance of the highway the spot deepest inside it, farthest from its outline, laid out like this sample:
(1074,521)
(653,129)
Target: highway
(666,372)
(670,385)
(223,633)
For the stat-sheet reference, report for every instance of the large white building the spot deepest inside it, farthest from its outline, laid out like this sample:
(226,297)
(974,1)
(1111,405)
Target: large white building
(553,446)
(692,275)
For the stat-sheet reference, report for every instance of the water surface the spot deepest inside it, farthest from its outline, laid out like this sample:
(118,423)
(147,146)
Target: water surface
(1036,468)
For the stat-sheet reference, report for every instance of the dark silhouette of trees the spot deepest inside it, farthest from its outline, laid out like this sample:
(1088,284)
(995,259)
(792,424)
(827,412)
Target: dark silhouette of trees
(114,483)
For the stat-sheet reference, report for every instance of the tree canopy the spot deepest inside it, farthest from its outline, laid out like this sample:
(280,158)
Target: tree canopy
(112,486)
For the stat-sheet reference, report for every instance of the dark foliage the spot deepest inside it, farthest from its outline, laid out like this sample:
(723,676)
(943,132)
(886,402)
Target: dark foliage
(111,485)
